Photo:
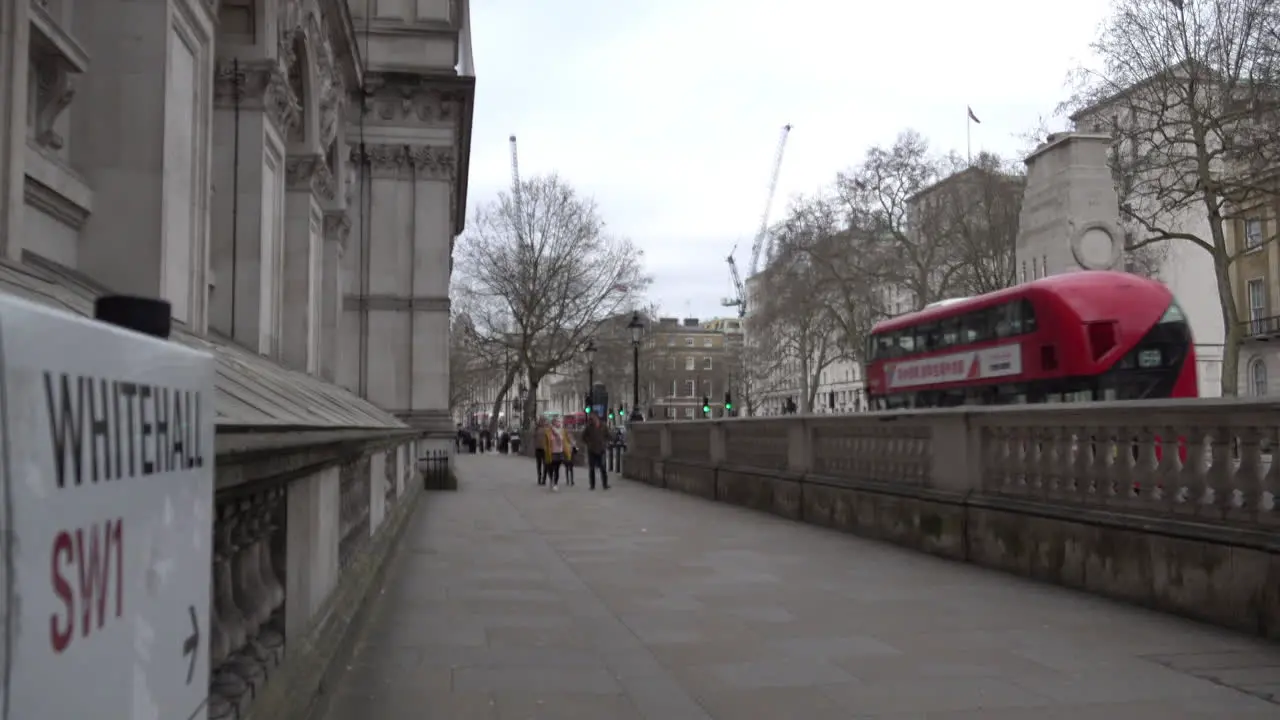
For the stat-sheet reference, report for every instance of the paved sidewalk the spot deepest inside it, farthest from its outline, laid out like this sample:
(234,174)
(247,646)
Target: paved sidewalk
(507,602)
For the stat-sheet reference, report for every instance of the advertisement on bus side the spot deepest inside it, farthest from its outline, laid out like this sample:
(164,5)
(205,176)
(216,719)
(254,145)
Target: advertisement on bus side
(993,362)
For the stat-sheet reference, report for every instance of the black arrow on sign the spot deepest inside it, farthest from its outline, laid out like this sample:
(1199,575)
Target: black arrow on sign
(192,644)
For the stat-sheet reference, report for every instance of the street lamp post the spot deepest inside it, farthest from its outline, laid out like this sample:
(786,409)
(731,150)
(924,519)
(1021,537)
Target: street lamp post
(636,326)
(590,349)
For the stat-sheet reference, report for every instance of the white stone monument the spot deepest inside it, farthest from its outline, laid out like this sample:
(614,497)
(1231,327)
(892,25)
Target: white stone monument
(1070,210)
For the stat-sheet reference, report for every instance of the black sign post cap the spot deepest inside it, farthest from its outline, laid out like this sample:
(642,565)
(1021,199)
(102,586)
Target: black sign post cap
(145,315)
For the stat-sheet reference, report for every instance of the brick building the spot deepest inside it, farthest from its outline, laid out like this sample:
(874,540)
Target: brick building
(684,360)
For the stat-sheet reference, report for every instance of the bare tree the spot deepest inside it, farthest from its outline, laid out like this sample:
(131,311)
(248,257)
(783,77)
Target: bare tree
(756,363)
(611,366)
(477,366)
(543,272)
(1189,90)
(973,211)
(880,198)
(462,373)
(795,324)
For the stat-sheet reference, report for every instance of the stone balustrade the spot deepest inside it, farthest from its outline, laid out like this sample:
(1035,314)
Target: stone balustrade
(1170,504)
(284,547)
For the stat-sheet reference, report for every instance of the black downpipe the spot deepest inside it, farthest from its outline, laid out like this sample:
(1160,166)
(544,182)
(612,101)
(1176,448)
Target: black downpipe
(235,191)
(366,207)
(413,266)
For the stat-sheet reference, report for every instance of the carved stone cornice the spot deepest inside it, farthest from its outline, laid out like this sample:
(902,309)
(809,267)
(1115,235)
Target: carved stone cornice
(309,172)
(403,98)
(337,228)
(436,162)
(259,85)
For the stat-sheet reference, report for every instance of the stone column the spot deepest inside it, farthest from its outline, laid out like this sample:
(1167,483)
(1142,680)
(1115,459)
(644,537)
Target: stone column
(337,228)
(254,109)
(150,79)
(308,180)
(312,536)
(14,50)
(1070,210)
(399,304)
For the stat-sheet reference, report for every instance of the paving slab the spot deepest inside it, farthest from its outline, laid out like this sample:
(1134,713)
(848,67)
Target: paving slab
(508,602)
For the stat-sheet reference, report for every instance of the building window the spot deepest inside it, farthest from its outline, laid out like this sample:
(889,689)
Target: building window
(688,388)
(688,413)
(1252,233)
(688,342)
(706,363)
(1258,377)
(671,341)
(706,342)
(1257,301)
(689,363)
(673,389)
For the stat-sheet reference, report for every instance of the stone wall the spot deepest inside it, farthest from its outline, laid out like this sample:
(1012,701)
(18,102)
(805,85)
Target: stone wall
(1141,537)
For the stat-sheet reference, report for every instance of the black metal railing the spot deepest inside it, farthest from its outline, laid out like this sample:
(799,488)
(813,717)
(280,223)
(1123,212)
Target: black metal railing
(434,466)
(1262,328)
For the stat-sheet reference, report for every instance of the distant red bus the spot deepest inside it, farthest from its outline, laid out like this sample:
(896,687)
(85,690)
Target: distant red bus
(1075,337)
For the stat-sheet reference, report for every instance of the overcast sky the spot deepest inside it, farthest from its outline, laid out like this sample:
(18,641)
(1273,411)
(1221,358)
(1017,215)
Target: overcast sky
(668,112)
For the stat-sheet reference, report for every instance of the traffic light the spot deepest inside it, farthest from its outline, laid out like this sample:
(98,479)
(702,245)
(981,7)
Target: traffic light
(610,413)
(706,405)
(586,403)
(728,402)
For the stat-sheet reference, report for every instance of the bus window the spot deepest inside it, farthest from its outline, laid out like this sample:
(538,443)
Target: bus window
(950,331)
(977,326)
(1028,317)
(1006,320)
(884,346)
(928,337)
(906,342)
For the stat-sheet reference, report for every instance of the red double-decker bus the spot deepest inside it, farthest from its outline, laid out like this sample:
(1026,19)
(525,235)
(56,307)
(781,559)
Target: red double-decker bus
(1075,337)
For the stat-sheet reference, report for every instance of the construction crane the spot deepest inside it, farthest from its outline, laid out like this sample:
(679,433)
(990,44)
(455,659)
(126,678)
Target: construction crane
(757,245)
(517,200)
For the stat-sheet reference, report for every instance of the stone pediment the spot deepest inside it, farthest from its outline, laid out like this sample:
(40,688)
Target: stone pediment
(254,393)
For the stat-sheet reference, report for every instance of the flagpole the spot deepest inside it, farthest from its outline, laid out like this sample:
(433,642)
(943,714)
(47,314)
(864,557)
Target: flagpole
(968,134)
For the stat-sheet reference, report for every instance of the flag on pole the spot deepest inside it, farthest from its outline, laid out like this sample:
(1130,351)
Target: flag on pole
(974,117)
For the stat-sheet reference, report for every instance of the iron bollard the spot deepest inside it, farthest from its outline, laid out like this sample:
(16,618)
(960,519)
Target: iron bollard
(613,457)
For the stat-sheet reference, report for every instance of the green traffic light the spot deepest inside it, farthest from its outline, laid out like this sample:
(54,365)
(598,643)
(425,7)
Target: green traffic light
(728,406)
(706,408)
(587,409)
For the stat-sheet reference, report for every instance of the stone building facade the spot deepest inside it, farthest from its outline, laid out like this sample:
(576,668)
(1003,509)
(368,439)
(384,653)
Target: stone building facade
(289,175)
(224,160)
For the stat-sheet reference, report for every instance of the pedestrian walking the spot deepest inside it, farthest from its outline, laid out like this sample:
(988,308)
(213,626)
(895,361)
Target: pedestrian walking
(540,450)
(568,462)
(595,437)
(558,449)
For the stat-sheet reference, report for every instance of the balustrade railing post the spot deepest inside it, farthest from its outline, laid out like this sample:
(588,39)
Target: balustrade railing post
(799,446)
(716,444)
(956,452)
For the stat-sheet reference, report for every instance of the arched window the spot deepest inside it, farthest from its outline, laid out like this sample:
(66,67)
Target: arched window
(1258,377)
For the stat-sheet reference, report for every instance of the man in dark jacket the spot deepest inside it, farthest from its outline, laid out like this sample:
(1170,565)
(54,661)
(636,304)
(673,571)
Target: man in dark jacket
(596,439)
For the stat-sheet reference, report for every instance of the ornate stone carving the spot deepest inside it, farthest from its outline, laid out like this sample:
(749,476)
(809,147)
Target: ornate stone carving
(55,58)
(54,93)
(407,161)
(433,161)
(412,98)
(257,86)
(337,228)
(309,172)
(382,160)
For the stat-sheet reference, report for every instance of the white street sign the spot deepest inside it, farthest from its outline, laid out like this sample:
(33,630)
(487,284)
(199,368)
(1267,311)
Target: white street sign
(106,465)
